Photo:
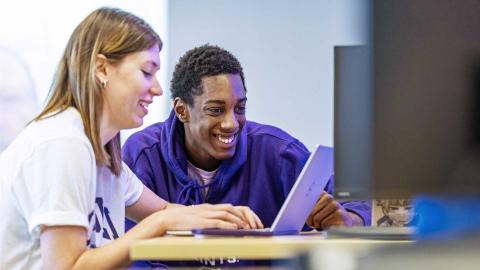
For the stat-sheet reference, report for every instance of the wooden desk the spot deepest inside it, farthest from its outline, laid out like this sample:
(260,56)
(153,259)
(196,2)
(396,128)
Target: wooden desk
(278,247)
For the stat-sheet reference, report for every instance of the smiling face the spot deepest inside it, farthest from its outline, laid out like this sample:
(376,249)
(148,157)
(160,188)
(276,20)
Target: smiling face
(214,122)
(130,87)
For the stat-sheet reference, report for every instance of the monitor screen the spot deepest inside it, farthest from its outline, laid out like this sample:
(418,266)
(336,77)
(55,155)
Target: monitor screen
(407,105)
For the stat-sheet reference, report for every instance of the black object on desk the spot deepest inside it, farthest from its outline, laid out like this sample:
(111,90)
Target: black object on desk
(375,233)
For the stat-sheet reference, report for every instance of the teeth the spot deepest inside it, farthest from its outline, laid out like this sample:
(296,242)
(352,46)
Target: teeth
(144,104)
(226,140)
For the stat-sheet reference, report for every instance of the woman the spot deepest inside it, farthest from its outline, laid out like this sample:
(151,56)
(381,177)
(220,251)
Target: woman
(63,187)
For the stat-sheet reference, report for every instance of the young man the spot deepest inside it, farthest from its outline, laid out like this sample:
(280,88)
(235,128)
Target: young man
(207,152)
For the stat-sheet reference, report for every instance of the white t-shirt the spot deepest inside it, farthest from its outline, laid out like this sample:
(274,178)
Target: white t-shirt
(48,176)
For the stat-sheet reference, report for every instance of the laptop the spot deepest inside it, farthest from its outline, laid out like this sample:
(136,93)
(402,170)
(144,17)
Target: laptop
(299,203)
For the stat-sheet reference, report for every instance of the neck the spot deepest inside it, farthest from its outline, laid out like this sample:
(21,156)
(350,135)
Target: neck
(107,131)
(209,166)
(201,160)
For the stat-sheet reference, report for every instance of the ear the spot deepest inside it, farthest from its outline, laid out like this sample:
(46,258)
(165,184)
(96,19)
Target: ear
(181,110)
(101,65)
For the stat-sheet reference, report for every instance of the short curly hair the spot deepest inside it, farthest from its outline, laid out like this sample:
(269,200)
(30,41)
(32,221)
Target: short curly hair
(198,63)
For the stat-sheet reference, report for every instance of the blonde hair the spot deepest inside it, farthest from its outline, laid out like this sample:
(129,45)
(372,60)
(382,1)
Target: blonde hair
(115,34)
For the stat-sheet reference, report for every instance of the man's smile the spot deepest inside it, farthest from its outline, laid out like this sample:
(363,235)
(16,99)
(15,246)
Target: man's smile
(226,139)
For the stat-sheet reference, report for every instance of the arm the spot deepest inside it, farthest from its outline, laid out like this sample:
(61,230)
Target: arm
(327,212)
(149,203)
(63,247)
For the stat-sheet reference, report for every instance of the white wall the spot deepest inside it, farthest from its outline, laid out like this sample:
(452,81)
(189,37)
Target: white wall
(286,50)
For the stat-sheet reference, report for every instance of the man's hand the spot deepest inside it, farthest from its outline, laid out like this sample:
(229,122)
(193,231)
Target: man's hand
(328,212)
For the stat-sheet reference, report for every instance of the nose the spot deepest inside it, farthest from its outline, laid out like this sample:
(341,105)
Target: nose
(156,88)
(230,122)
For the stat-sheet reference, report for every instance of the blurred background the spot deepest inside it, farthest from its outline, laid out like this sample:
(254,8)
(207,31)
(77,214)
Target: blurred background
(285,48)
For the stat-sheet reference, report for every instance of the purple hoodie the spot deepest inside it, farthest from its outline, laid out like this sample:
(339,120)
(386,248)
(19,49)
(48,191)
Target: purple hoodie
(262,171)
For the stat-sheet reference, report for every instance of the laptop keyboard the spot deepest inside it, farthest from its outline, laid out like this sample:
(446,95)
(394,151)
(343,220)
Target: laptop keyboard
(257,230)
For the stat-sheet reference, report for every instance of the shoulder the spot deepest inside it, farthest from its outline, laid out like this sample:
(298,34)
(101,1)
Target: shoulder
(142,141)
(276,140)
(269,134)
(119,182)
(66,124)
(257,130)
(144,138)
(64,129)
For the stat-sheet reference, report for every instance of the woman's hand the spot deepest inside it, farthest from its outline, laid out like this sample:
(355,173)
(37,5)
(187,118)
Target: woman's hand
(251,219)
(223,216)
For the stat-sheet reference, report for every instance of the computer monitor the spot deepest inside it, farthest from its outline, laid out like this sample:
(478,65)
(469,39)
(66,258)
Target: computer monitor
(407,105)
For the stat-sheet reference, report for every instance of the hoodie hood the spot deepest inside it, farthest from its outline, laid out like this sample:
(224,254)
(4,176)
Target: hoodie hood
(173,139)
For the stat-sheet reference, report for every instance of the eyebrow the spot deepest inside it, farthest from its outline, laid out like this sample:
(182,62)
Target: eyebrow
(244,99)
(155,65)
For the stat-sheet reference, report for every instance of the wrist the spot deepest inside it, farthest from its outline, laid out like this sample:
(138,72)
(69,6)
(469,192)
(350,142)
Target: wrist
(173,205)
(159,223)
(356,219)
